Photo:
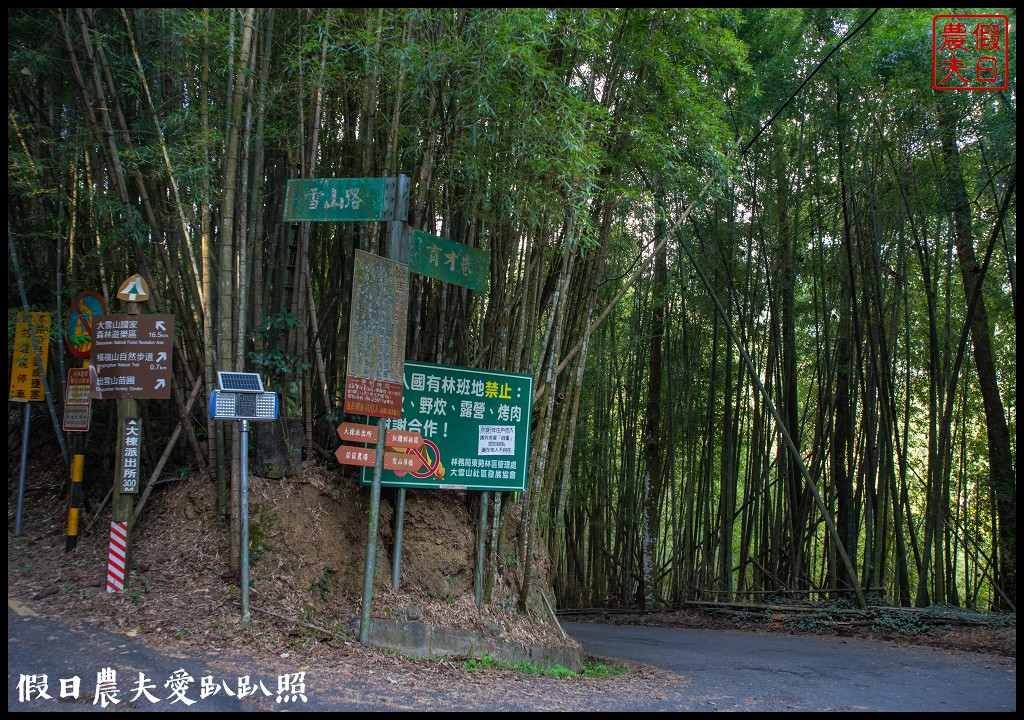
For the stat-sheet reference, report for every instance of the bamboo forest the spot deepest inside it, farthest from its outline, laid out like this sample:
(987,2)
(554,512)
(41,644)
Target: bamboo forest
(760,264)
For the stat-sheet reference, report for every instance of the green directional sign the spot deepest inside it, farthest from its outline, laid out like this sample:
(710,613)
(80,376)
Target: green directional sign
(475,429)
(337,200)
(450,261)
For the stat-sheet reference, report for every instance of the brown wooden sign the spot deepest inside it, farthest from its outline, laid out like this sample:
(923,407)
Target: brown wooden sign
(351,455)
(403,439)
(131,357)
(356,432)
(402,462)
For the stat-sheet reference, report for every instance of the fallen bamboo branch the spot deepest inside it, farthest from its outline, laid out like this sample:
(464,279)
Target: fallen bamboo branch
(167,451)
(293,621)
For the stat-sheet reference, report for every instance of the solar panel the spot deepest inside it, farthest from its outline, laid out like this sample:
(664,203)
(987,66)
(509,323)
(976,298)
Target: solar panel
(239,382)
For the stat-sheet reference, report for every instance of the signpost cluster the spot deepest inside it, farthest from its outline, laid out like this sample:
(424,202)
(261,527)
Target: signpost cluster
(437,426)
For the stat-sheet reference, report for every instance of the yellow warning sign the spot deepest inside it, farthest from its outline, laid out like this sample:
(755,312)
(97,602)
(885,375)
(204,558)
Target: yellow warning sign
(26,383)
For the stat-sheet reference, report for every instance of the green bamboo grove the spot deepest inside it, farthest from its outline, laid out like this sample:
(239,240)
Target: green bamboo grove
(691,287)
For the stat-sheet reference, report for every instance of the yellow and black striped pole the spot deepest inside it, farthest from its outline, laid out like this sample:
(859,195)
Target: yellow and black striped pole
(76,495)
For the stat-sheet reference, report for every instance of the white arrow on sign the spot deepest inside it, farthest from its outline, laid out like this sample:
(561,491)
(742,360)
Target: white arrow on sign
(159,384)
(161,357)
(160,325)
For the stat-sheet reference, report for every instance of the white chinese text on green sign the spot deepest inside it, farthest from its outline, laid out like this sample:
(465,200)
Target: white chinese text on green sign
(475,426)
(337,200)
(449,261)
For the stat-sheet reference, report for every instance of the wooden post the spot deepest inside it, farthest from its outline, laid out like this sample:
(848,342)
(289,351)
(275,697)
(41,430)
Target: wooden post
(124,503)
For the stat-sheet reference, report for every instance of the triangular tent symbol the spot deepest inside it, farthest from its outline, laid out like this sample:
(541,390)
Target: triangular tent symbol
(134,289)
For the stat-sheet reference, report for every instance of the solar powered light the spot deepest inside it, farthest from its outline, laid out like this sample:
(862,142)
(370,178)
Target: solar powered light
(240,396)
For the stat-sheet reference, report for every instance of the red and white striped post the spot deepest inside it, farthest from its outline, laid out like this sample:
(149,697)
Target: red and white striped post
(116,556)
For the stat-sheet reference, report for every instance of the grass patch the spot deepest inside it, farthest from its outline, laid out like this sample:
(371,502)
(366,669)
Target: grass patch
(588,670)
(600,669)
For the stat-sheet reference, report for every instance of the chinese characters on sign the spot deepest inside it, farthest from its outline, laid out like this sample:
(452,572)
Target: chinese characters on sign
(475,429)
(452,262)
(77,405)
(291,688)
(970,52)
(26,383)
(130,446)
(337,200)
(356,432)
(376,339)
(131,357)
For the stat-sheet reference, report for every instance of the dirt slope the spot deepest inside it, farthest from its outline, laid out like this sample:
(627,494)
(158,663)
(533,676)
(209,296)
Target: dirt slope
(308,539)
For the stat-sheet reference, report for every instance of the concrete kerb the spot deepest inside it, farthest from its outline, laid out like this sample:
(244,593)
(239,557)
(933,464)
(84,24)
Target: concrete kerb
(417,639)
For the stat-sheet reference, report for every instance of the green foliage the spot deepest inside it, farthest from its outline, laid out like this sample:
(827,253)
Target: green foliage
(486,662)
(279,364)
(594,668)
(326,584)
(745,617)
(904,623)
(533,132)
(284,368)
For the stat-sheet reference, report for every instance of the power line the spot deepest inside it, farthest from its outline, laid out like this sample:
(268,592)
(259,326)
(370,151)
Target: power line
(808,79)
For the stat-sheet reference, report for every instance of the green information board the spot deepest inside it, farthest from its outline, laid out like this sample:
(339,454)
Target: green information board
(337,200)
(475,426)
(450,261)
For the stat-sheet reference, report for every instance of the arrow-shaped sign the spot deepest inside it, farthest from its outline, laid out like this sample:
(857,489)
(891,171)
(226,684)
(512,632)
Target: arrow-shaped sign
(348,455)
(357,432)
(404,439)
(161,357)
(160,383)
(160,325)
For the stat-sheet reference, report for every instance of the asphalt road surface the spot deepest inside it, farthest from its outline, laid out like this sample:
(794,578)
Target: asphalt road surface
(701,671)
(774,672)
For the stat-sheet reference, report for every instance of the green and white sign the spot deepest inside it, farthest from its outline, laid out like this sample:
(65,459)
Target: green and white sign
(475,426)
(337,200)
(450,261)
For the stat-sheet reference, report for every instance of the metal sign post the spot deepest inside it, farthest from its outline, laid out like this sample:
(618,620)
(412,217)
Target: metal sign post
(30,338)
(241,397)
(243,428)
(396,234)
(83,314)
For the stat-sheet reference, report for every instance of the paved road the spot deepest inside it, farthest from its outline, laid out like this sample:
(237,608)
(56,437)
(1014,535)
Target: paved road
(702,671)
(773,672)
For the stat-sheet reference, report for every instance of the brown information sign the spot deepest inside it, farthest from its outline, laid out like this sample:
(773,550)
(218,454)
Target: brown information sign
(131,357)
(376,340)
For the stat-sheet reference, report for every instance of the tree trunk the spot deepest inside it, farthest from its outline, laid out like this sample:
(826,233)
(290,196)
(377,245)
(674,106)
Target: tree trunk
(1000,458)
